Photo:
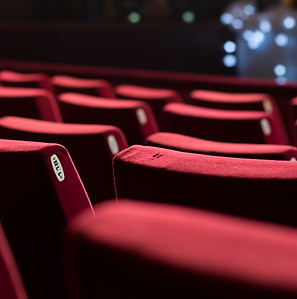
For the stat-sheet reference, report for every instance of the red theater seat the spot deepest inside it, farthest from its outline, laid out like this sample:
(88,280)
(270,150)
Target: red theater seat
(223,125)
(133,249)
(93,87)
(262,189)
(29,102)
(32,80)
(237,101)
(40,192)
(196,145)
(233,101)
(11,284)
(156,98)
(134,118)
(92,148)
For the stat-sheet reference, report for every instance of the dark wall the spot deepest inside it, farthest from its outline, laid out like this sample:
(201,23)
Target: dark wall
(102,10)
(173,47)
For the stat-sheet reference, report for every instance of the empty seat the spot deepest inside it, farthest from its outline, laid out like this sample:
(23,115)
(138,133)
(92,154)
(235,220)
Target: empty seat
(262,189)
(196,145)
(223,125)
(11,286)
(92,148)
(237,101)
(133,249)
(32,80)
(40,192)
(134,118)
(156,98)
(93,87)
(233,101)
(29,102)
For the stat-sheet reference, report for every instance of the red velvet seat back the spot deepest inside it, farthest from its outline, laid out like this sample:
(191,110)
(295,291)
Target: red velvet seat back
(11,286)
(134,118)
(100,88)
(261,189)
(40,192)
(143,250)
(223,125)
(237,101)
(31,80)
(92,148)
(196,145)
(29,102)
(156,98)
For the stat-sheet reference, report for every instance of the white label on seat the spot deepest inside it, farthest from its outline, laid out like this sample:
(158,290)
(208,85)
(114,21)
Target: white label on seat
(141,115)
(267,105)
(265,125)
(57,167)
(293,159)
(113,144)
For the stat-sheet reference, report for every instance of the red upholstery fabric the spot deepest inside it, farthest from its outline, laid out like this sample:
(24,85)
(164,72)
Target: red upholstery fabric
(134,118)
(133,249)
(92,148)
(223,125)
(233,101)
(262,189)
(35,207)
(240,150)
(94,87)
(293,116)
(32,80)
(29,102)
(11,286)
(237,101)
(156,98)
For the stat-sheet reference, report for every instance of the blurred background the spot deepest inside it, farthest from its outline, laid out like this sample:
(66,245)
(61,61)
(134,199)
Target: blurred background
(193,36)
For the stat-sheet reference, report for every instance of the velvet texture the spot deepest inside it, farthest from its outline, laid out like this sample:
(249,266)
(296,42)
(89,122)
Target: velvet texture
(222,125)
(238,101)
(11,286)
(196,145)
(88,146)
(156,98)
(94,87)
(260,189)
(133,249)
(29,102)
(31,80)
(35,208)
(78,108)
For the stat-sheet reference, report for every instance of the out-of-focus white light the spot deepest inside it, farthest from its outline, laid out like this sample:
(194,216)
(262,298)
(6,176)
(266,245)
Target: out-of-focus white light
(281,39)
(229,46)
(249,9)
(230,60)
(265,26)
(247,35)
(280,70)
(237,24)
(188,17)
(226,18)
(258,36)
(289,22)
(281,80)
(253,45)
(134,17)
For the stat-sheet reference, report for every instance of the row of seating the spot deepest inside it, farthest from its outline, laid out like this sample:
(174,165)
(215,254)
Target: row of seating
(185,218)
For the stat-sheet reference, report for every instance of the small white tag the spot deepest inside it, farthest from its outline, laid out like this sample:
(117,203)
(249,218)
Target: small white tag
(113,145)
(265,125)
(141,115)
(267,105)
(57,167)
(293,159)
